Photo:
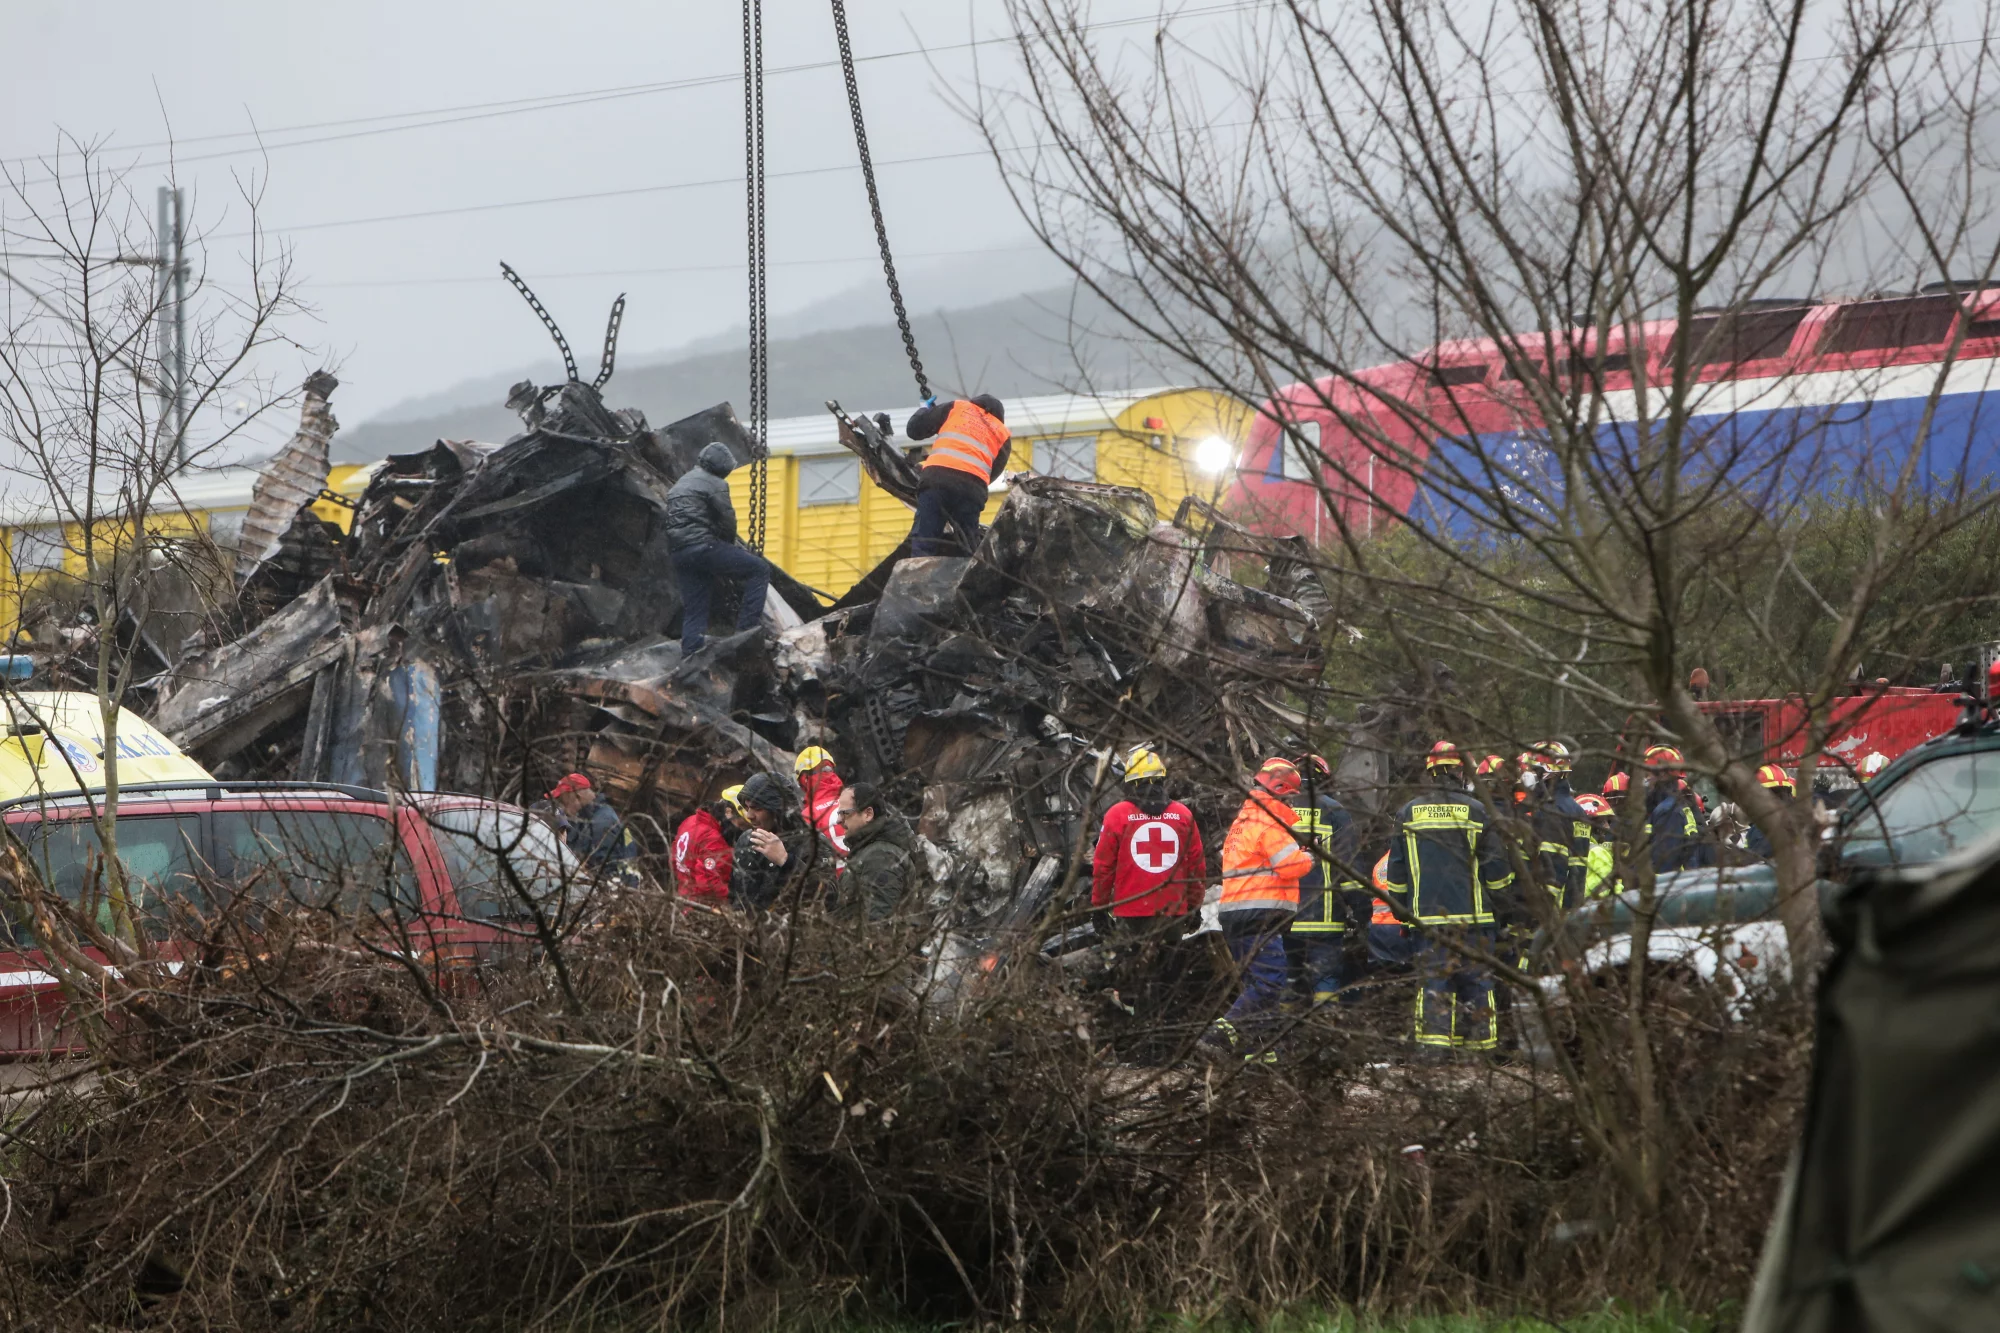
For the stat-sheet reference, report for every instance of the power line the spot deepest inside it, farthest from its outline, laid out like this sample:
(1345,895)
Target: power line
(474,111)
(592,195)
(733,266)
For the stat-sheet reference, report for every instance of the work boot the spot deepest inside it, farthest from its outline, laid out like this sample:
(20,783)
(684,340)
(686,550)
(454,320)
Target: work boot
(1219,1042)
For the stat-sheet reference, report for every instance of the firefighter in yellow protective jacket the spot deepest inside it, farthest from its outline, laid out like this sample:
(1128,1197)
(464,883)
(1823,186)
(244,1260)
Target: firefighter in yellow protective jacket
(1445,868)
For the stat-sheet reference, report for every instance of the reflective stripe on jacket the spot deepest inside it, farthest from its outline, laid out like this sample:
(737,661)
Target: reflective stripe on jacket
(1447,862)
(969,441)
(1262,862)
(1327,830)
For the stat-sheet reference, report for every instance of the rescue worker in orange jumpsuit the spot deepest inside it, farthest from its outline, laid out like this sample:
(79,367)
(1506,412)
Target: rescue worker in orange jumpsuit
(819,786)
(972,448)
(1262,864)
(1445,869)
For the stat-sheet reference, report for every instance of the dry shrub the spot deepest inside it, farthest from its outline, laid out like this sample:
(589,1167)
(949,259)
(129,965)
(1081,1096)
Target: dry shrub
(747,1123)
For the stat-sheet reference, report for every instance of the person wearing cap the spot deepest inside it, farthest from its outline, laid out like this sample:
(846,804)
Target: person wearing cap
(777,852)
(972,448)
(1674,826)
(1316,940)
(1262,864)
(591,827)
(1779,783)
(1446,872)
(819,786)
(700,523)
(703,854)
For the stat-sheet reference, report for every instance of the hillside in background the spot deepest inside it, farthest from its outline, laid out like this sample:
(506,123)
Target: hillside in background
(1043,342)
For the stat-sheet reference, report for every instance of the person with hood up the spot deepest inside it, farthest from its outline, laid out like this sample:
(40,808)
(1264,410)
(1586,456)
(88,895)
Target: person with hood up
(883,877)
(777,852)
(703,855)
(820,785)
(1262,864)
(972,448)
(701,538)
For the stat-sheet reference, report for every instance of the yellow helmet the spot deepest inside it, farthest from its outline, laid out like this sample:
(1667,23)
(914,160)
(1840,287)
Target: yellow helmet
(733,798)
(1143,764)
(811,759)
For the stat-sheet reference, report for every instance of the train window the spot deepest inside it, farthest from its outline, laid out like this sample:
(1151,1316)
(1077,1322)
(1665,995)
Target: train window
(1748,335)
(1983,328)
(1869,326)
(830,479)
(1073,457)
(1617,363)
(1452,377)
(1297,467)
(37,550)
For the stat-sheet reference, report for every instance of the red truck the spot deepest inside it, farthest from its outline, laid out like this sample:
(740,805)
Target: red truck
(1876,719)
(451,871)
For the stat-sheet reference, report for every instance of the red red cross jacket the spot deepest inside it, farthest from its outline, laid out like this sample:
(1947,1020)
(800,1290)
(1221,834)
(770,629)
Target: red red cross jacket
(822,797)
(1148,865)
(702,859)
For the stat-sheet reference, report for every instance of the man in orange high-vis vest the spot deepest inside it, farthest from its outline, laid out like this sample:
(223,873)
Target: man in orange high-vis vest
(972,448)
(1262,864)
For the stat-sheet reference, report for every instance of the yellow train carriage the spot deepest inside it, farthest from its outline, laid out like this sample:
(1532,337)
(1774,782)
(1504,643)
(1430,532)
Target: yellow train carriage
(37,545)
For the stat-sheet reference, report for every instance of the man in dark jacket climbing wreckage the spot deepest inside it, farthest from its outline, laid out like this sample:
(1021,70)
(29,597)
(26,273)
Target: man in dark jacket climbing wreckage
(701,536)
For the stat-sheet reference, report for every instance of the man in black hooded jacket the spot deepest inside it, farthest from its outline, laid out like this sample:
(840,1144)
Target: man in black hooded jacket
(701,537)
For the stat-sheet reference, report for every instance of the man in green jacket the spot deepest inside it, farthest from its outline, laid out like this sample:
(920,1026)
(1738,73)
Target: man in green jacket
(883,876)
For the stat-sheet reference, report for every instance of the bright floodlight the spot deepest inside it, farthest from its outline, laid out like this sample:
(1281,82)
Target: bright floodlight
(1213,454)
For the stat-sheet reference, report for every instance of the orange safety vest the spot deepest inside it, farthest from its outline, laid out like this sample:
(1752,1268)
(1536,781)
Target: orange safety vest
(1262,863)
(1382,915)
(969,441)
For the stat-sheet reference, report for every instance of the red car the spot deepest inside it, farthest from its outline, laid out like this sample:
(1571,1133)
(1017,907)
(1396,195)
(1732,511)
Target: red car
(461,877)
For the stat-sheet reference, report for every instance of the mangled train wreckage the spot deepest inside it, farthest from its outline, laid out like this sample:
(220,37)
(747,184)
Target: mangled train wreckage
(497,616)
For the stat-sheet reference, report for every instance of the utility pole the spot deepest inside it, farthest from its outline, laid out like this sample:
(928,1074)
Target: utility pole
(171,262)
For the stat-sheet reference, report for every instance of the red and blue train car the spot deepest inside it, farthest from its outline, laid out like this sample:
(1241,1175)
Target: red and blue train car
(1786,393)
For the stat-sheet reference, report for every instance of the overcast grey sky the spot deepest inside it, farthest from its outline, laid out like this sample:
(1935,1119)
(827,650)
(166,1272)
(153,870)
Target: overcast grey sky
(408,305)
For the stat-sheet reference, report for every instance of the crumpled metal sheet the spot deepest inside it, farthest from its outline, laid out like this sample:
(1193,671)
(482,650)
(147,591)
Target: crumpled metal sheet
(291,480)
(226,697)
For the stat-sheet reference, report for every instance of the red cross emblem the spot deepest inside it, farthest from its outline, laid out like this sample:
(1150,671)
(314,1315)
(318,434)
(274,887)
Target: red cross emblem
(1156,847)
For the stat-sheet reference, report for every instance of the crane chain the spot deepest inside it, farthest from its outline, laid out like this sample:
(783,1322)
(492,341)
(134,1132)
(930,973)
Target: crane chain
(874,198)
(753,180)
(548,320)
(610,358)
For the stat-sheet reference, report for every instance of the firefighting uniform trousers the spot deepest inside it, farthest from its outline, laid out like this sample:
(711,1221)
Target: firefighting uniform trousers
(1455,1004)
(1256,942)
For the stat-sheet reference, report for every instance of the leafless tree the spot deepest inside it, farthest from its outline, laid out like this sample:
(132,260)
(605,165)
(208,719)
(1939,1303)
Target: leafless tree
(1329,213)
(96,406)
